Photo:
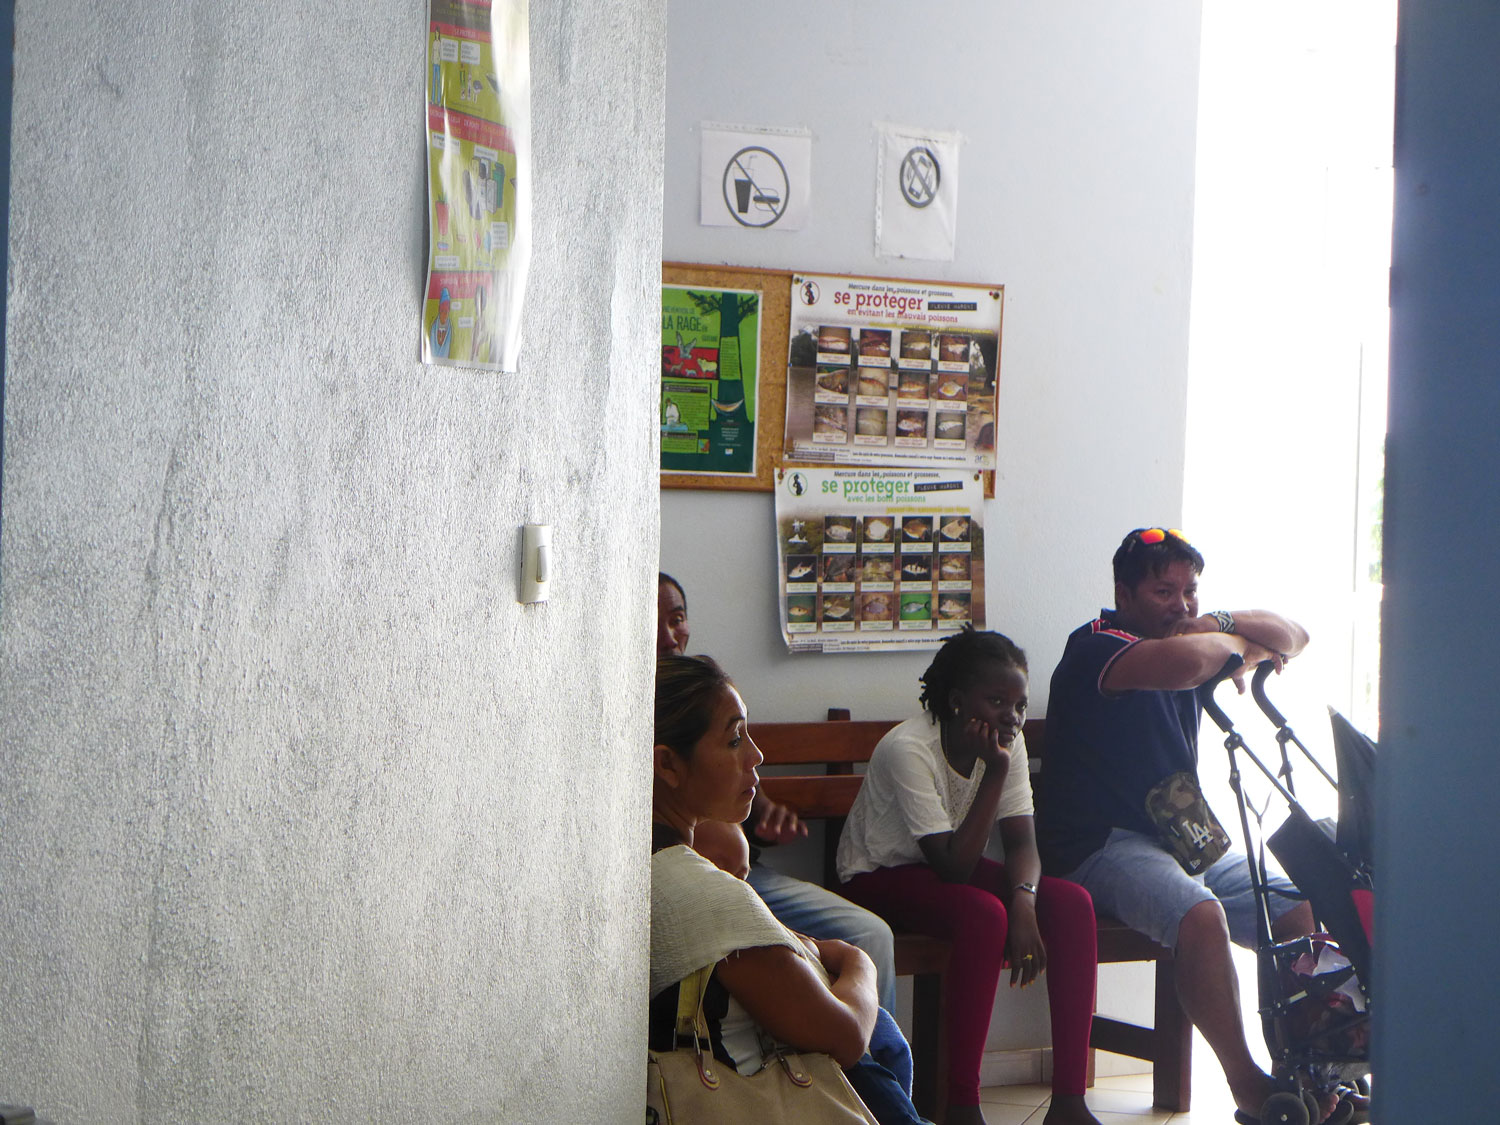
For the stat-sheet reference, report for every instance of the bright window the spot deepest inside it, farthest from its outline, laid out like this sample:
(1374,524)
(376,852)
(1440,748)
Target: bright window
(1289,330)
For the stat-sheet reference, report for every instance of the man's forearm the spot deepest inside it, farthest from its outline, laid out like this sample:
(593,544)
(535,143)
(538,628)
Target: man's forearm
(1174,663)
(1270,630)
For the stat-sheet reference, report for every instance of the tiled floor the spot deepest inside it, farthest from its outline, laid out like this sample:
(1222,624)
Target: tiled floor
(1122,1099)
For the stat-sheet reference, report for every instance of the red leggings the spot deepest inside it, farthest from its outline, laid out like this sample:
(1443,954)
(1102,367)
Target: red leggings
(973,917)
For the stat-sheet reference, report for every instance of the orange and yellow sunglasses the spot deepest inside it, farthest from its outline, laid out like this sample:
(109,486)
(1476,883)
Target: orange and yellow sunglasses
(1149,535)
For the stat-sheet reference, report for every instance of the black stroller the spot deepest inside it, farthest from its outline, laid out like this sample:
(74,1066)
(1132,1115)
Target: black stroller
(1314,991)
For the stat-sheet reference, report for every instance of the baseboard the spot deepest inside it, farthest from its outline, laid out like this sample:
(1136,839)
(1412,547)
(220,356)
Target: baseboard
(1028,1067)
(1107,1063)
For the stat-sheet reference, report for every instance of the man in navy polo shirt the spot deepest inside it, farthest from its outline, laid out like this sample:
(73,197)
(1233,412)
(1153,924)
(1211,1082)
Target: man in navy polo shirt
(1122,741)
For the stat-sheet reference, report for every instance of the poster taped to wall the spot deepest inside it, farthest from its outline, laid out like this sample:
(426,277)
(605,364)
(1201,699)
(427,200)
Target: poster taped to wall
(755,178)
(710,367)
(878,560)
(887,372)
(478,120)
(916,194)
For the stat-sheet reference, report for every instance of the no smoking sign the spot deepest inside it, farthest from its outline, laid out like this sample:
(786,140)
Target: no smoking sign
(920,176)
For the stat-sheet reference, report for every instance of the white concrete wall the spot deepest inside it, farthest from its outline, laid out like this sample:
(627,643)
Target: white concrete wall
(1077,194)
(302,816)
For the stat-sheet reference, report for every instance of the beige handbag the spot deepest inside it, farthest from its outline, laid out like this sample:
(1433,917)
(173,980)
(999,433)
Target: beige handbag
(689,1086)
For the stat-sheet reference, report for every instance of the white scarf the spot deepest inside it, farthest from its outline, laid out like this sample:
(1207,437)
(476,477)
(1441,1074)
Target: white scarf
(700,915)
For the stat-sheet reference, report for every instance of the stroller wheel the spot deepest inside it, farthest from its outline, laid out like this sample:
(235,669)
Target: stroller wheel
(1285,1109)
(1343,1113)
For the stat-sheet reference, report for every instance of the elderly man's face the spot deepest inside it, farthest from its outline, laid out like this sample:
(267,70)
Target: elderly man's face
(671,621)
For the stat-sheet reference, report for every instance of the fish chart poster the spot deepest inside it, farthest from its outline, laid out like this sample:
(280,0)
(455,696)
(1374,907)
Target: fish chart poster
(887,372)
(710,360)
(478,182)
(878,560)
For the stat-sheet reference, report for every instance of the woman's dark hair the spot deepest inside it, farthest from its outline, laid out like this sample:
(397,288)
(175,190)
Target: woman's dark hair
(1136,557)
(960,661)
(665,579)
(687,687)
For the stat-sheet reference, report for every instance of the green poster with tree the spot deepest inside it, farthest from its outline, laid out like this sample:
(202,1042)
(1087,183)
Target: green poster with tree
(710,359)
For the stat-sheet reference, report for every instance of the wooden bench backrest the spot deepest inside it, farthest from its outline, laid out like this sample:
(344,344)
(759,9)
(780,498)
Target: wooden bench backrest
(837,746)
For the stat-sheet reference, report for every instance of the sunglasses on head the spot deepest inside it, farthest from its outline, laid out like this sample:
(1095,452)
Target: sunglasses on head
(1153,535)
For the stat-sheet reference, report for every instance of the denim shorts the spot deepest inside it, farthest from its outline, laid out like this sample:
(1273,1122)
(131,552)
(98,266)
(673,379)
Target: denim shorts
(1135,879)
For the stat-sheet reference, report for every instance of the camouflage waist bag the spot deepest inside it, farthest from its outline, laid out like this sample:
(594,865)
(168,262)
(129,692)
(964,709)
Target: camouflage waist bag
(1185,823)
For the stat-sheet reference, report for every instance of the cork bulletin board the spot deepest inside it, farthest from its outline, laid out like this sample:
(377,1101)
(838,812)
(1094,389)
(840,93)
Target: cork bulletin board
(771,394)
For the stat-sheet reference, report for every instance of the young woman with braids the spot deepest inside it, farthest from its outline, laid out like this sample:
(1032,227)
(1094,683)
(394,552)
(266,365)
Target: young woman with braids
(912,852)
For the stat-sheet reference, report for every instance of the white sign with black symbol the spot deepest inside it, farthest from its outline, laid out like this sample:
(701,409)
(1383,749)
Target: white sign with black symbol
(916,194)
(920,176)
(755,178)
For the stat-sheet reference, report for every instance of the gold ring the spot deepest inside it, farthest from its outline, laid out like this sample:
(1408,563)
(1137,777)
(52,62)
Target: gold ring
(1028,957)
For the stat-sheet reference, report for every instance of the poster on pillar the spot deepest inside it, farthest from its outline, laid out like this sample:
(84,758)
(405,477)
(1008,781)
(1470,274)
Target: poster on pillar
(882,371)
(478,121)
(757,178)
(710,367)
(878,560)
(916,194)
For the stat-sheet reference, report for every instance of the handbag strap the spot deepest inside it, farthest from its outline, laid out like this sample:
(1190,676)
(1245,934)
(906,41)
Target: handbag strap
(690,993)
(691,1021)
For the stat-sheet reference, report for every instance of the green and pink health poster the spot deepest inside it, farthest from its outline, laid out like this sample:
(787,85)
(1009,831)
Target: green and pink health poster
(710,362)
(478,122)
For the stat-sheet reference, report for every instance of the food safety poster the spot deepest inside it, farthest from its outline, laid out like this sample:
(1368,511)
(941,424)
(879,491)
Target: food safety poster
(710,362)
(878,560)
(887,372)
(478,182)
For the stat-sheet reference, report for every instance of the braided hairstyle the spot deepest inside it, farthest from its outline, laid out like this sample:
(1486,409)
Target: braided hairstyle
(959,662)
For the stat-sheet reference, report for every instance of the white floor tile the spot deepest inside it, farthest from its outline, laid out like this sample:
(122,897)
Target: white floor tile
(1124,1082)
(1147,1116)
(1030,1096)
(1136,1102)
(998,1114)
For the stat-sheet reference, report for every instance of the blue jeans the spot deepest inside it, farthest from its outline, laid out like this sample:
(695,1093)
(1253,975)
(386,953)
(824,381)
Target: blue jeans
(809,909)
(882,1079)
(1136,879)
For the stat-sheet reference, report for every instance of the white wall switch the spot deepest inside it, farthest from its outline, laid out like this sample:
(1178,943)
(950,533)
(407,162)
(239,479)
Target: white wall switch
(536,562)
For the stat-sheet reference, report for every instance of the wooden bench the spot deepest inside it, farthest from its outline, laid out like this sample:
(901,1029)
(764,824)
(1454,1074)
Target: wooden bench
(835,748)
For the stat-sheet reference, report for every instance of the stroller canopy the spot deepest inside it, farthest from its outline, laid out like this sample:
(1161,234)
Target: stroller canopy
(1355,754)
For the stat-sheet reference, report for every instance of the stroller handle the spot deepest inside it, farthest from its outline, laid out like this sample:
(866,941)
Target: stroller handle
(1206,693)
(1234,741)
(1258,689)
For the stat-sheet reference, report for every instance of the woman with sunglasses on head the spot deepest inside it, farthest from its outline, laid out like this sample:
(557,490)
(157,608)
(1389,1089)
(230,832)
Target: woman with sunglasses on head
(765,983)
(912,851)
